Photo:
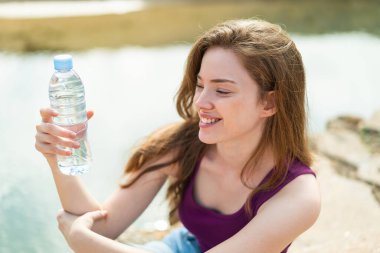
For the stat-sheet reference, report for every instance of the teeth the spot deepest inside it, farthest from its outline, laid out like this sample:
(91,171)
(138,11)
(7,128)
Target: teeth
(208,121)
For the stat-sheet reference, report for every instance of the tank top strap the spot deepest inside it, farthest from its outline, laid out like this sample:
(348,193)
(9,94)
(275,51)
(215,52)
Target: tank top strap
(295,170)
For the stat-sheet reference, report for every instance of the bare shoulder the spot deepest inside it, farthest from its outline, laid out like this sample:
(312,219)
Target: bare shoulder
(303,192)
(303,185)
(298,204)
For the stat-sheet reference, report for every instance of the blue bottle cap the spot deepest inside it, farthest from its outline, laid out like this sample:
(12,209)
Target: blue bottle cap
(63,62)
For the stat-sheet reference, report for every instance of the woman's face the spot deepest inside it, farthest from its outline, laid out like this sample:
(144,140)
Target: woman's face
(226,99)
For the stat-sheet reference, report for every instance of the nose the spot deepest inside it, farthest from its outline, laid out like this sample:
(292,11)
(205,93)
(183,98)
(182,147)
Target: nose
(203,100)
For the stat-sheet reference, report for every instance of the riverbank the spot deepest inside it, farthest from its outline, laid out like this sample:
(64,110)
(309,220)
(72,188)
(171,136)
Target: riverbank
(167,23)
(348,169)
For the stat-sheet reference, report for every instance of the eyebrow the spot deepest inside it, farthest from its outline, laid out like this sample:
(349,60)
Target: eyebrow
(218,80)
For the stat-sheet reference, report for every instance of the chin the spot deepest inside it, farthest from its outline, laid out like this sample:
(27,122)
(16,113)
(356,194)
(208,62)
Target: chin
(207,139)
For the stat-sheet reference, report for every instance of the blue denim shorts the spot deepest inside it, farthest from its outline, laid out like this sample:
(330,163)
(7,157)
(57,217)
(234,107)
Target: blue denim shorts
(178,241)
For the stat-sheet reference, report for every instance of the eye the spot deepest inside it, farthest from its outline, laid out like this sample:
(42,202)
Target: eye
(199,86)
(223,92)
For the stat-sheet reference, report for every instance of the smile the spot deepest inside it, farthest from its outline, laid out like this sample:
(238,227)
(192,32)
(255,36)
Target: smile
(207,122)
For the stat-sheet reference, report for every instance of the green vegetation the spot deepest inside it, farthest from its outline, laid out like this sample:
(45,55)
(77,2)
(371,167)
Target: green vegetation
(173,23)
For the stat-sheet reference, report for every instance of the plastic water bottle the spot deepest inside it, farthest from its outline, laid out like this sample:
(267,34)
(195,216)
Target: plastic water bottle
(67,97)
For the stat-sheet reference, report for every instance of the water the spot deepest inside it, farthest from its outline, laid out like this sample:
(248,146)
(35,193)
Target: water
(341,72)
(79,162)
(67,97)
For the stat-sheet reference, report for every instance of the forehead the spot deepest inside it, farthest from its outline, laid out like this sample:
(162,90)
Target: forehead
(219,62)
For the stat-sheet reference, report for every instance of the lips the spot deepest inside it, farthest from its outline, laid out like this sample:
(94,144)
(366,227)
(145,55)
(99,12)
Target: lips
(207,119)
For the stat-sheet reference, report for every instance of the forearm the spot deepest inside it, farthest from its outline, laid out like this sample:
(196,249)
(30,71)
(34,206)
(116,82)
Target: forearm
(73,194)
(88,241)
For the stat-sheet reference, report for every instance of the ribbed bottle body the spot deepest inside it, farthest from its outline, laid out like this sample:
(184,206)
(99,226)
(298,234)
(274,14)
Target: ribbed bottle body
(67,97)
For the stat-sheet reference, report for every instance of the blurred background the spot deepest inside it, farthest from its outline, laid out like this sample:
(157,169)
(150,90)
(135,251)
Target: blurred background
(130,56)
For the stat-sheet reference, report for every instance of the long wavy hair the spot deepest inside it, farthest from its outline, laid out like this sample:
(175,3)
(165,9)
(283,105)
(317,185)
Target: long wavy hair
(273,61)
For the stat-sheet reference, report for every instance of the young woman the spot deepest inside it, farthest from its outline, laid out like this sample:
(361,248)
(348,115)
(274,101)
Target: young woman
(238,163)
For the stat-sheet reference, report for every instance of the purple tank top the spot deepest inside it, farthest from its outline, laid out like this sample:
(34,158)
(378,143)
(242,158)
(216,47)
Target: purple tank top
(210,227)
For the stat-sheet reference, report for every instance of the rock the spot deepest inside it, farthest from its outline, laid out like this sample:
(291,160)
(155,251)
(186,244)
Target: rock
(345,122)
(370,132)
(350,216)
(343,143)
(373,123)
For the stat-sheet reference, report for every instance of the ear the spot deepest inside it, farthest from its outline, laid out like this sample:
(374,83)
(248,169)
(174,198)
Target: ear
(269,105)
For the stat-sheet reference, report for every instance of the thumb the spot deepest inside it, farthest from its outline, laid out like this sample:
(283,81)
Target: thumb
(97,215)
(90,114)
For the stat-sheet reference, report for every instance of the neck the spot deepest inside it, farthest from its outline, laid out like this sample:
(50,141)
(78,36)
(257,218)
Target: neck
(235,154)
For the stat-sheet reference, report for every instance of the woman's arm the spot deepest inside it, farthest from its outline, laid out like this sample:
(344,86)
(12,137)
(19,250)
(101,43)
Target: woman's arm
(123,206)
(279,221)
(73,194)
(78,234)
(88,241)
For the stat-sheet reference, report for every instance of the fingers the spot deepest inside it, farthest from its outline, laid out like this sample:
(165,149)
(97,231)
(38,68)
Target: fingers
(65,220)
(96,215)
(47,114)
(50,136)
(52,139)
(90,114)
(49,128)
(48,144)
(60,214)
(46,138)
(48,149)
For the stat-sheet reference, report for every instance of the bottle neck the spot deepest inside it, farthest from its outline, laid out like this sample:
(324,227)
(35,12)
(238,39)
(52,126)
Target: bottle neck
(63,70)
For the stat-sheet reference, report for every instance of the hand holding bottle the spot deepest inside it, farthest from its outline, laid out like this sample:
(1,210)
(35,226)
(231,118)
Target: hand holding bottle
(53,140)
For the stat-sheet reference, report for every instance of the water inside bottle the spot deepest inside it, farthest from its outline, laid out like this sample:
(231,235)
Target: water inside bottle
(67,97)
(79,162)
